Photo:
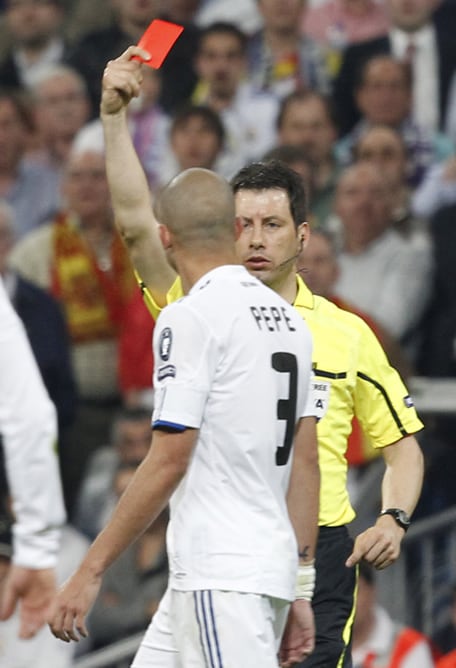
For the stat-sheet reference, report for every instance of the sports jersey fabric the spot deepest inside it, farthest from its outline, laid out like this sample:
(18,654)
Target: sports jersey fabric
(233,360)
(352,376)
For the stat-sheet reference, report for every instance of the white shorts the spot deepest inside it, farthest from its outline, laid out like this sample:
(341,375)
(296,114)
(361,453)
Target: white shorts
(213,629)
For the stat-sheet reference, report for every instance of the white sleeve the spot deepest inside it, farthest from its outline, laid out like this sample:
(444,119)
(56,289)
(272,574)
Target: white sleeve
(28,425)
(184,353)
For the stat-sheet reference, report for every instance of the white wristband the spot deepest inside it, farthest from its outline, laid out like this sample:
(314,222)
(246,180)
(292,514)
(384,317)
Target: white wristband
(305,581)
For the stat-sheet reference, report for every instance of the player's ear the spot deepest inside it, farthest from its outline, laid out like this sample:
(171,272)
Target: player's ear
(164,235)
(237,227)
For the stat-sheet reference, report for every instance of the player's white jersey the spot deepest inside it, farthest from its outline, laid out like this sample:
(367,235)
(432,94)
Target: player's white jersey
(233,359)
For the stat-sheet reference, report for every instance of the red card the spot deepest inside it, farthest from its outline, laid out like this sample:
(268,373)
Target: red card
(158,40)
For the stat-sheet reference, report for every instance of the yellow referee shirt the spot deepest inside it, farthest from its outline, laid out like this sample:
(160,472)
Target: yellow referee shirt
(352,377)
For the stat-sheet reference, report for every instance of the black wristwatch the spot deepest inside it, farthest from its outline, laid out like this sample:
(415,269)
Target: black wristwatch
(399,515)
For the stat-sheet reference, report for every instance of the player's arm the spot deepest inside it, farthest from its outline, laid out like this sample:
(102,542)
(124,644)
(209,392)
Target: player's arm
(304,489)
(380,545)
(143,500)
(28,425)
(131,197)
(303,505)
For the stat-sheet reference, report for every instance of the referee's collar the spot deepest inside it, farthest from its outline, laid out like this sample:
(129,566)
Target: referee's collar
(304,298)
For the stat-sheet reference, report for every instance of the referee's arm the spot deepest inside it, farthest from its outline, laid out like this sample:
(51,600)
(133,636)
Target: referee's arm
(130,194)
(380,544)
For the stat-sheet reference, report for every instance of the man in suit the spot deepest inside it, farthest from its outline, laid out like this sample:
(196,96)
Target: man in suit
(418,36)
(35,30)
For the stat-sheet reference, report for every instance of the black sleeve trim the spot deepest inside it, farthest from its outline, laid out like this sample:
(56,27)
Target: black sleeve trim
(383,392)
(330,374)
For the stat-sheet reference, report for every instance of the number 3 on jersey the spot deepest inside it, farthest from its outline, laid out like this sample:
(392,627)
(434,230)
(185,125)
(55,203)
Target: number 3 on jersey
(286,408)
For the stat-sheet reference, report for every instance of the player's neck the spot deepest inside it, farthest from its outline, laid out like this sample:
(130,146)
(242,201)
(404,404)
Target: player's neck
(192,268)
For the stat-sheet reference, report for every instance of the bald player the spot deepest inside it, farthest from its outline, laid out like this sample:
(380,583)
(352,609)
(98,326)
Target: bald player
(232,377)
(352,374)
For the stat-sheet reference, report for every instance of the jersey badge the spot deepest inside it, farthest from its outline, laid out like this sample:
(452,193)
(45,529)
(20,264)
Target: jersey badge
(408,401)
(164,346)
(321,390)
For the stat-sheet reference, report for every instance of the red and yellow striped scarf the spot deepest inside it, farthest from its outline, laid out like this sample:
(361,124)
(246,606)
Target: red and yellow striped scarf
(93,299)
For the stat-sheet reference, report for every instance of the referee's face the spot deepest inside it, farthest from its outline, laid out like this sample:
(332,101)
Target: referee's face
(269,242)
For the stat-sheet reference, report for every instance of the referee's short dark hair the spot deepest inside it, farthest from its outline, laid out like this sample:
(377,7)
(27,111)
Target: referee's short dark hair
(267,175)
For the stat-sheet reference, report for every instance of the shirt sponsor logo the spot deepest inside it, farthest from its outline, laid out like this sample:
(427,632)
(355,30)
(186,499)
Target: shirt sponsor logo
(408,401)
(164,346)
(167,371)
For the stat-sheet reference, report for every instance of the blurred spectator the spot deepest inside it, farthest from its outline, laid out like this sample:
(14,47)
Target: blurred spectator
(295,157)
(306,120)
(148,124)
(197,138)
(45,325)
(338,23)
(380,272)
(382,146)
(447,661)
(129,443)
(248,116)
(318,266)
(438,189)
(438,359)
(450,113)
(439,352)
(62,107)
(378,640)
(281,59)
(35,27)
(320,269)
(131,17)
(133,586)
(182,11)
(298,159)
(80,259)
(243,12)
(384,96)
(136,361)
(428,45)
(445,638)
(84,16)
(31,189)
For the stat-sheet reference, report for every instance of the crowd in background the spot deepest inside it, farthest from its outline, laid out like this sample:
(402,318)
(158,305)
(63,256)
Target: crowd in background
(358,96)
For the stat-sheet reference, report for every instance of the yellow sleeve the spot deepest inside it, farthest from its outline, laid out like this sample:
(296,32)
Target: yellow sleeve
(174,293)
(382,402)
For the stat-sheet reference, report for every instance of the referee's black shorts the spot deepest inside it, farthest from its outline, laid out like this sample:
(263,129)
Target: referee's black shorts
(333,601)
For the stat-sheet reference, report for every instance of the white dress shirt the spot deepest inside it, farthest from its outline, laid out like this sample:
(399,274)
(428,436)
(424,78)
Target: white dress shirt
(425,64)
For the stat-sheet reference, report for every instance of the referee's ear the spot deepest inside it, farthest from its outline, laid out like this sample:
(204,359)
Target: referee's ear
(303,233)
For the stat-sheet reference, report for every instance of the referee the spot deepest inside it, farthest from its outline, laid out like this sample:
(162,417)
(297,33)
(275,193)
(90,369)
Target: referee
(352,373)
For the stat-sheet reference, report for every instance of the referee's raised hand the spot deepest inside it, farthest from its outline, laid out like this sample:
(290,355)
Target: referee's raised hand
(122,80)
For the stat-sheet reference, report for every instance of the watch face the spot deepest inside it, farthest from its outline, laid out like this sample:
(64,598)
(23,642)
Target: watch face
(399,515)
(403,517)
